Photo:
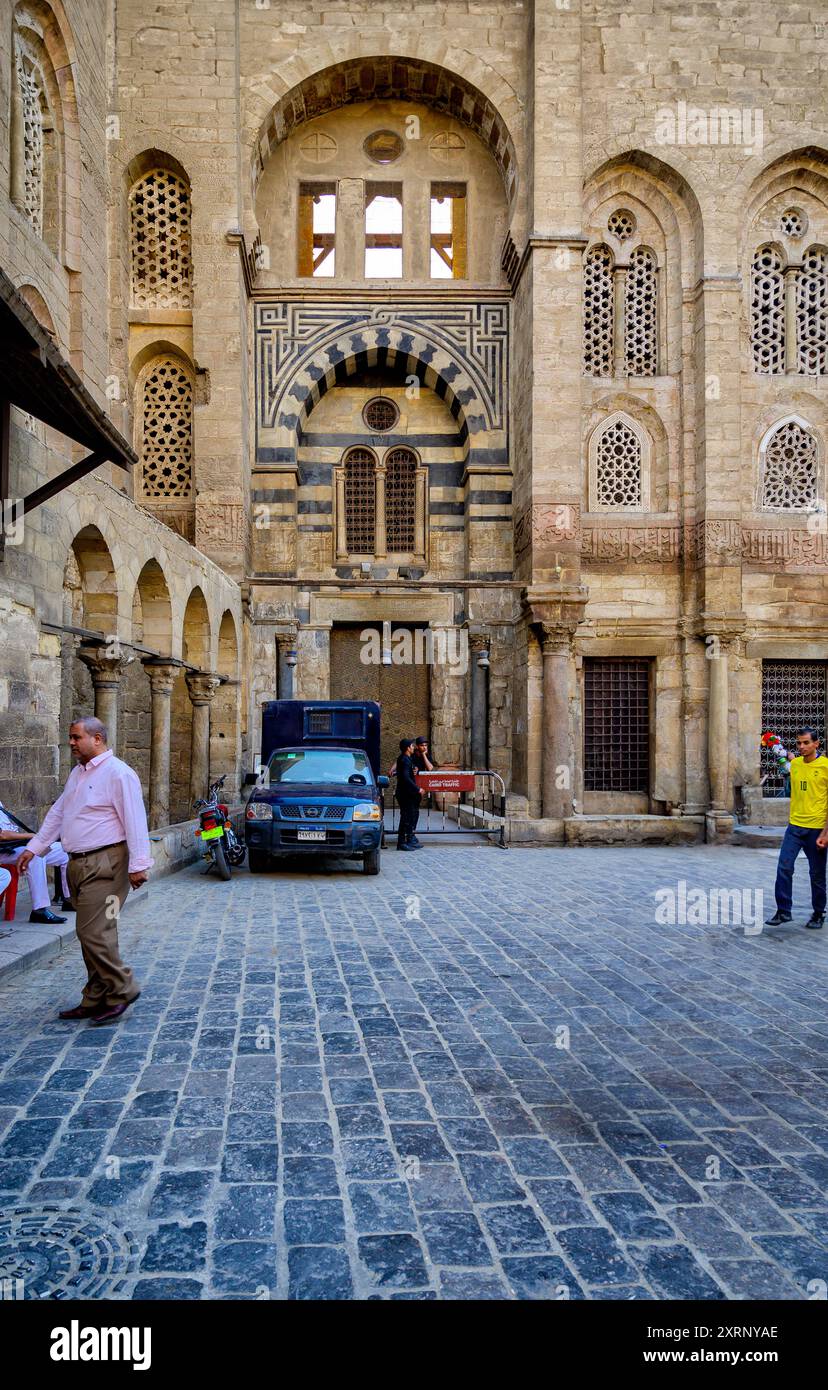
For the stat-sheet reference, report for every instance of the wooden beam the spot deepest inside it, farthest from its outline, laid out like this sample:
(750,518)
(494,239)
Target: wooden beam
(63,480)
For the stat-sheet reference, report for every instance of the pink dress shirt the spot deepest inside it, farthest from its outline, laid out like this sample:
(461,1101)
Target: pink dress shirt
(100,805)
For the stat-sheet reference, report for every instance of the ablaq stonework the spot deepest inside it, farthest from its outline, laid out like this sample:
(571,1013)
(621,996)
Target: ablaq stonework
(505,319)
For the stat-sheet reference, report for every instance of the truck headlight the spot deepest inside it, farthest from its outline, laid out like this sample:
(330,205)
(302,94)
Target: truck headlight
(259,810)
(369,812)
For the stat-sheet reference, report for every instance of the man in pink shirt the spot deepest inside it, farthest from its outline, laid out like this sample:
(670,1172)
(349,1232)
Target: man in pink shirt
(101,823)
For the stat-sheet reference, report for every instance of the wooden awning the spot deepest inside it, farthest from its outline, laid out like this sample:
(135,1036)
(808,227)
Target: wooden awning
(36,378)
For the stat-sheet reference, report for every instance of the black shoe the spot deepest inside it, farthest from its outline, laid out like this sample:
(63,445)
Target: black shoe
(417,844)
(816,920)
(66,904)
(406,846)
(778,918)
(46,916)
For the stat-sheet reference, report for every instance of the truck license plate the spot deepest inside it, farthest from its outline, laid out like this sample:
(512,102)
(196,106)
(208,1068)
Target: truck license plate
(312,834)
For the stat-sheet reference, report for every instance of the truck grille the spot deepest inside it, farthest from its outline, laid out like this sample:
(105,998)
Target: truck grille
(313,812)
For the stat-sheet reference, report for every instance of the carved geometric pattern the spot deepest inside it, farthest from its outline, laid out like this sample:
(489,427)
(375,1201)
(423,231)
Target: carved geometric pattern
(160,242)
(460,350)
(618,471)
(167,437)
(360,502)
(621,224)
(400,499)
(598,312)
(793,223)
(640,326)
(32,141)
(790,475)
(812,312)
(767,309)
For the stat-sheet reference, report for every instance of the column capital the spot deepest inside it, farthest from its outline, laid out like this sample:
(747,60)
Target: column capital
(557,612)
(105,661)
(727,627)
(161,674)
(201,686)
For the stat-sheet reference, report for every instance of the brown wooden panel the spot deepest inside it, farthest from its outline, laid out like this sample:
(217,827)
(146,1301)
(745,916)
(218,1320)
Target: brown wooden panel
(401,691)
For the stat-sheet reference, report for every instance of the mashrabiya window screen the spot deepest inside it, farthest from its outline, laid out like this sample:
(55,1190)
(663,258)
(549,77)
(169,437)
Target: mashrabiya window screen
(793,697)
(616,724)
(167,431)
(360,502)
(160,242)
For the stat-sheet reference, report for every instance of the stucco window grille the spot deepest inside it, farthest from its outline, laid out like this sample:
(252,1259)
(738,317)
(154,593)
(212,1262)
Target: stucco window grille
(793,697)
(317,229)
(380,414)
(598,312)
(167,431)
(793,223)
(400,500)
(812,312)
(161,242)
(790,471)
(616,724)
(640,315)
(618,481)
(360,501)
(32,116)
(621,224)
(768,311)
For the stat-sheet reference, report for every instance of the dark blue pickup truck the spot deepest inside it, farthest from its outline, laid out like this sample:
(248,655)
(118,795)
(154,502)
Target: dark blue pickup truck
(316,797)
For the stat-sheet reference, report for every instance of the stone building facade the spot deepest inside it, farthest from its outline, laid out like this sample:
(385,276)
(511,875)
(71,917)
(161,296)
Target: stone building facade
(496,327)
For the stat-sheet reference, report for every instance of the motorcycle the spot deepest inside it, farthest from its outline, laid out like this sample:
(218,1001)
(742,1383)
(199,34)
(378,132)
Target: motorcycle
(222,846)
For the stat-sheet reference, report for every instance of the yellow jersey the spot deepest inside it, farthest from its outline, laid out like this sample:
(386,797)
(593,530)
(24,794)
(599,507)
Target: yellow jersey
(809,793)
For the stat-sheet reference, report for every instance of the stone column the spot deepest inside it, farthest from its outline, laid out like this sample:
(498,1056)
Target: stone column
(201,687)
(106,666)
(161,675)
(557,742)
(479,644)
(619,285)
(791,275)
(341,532)
(379,524)
(285,646)
(719,643)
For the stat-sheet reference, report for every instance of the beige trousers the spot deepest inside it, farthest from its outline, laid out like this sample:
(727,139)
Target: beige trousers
(99,885)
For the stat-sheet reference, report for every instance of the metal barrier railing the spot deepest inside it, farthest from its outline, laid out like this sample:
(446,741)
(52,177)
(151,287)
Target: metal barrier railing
(465,802)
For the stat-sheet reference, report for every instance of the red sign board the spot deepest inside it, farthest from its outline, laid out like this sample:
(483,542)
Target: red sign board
(446,781)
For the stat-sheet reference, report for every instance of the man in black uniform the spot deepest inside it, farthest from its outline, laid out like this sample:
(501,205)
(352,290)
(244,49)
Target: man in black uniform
(408,796)
(420,756)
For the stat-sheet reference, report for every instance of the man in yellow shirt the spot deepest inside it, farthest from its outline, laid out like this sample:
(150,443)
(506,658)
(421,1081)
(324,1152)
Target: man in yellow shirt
(808,830)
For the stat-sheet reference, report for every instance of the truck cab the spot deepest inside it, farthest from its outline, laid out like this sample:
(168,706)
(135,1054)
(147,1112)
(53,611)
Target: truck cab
(319,790)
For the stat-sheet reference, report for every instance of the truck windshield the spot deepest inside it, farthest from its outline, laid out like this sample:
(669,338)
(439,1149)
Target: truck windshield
(319,765)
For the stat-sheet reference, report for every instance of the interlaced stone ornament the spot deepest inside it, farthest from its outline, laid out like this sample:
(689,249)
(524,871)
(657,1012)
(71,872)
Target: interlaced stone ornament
(790,474)
(160,240)
(32,141)
(167,442)
(640,320)
(598,311)
(618,468)
(767,307)
(812,312)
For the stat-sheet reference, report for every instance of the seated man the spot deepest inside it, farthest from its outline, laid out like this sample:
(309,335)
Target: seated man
(5,880)
(13,829)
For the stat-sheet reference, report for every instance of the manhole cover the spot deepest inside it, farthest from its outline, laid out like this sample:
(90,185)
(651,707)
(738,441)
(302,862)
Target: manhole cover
(49,1253)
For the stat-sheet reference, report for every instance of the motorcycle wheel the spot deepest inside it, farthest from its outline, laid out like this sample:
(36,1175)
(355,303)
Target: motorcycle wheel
(221,859)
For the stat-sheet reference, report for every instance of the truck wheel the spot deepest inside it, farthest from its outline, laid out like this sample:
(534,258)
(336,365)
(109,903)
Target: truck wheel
(371,861)
(221,859)
(258,859)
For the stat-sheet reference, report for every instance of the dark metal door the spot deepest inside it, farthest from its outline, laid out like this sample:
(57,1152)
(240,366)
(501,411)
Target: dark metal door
(401,690)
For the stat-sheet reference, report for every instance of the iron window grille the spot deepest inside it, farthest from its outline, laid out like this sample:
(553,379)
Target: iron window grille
(617,725)
(793,697)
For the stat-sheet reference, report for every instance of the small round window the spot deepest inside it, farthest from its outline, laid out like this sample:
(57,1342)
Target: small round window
(383,146)
(380,414)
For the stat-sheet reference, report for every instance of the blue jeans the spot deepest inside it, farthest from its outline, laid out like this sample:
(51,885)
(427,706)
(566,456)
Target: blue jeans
(798,837)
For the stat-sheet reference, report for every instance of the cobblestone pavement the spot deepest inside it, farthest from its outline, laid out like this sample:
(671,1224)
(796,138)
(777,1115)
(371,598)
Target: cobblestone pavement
(484,1074)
